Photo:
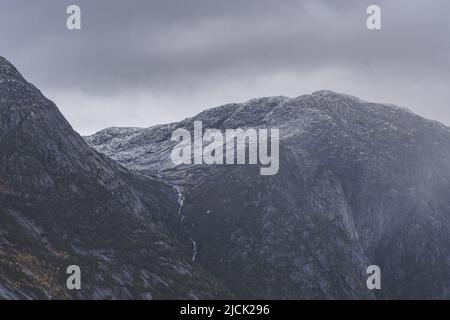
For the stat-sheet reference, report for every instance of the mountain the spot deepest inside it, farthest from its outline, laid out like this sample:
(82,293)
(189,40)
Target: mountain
(62,203)
(359,184)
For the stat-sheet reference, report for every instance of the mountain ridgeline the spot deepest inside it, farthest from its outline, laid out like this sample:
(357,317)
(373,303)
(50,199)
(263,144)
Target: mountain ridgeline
(358,184)
(62,203)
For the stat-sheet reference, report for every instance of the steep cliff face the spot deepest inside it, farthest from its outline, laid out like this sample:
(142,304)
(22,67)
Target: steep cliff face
(63,203)
(359,183)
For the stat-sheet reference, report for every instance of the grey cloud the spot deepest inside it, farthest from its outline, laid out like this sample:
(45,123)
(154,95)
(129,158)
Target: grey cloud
(169,56)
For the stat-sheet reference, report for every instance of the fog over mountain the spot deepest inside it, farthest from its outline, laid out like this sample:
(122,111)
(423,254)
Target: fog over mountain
(359,183)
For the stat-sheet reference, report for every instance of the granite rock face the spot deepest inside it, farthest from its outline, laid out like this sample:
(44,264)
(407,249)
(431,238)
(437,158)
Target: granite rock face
(62,203)
(359,183)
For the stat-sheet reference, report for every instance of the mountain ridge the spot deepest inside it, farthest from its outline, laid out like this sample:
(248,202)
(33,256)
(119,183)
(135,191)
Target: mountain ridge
(360,183)
(384,167)
(63,203)
(323,93)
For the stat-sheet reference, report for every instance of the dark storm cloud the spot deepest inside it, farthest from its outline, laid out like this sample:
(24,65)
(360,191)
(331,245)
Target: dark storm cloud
(155,56)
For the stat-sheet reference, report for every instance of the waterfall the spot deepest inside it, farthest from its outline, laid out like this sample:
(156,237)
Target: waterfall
(194,250)
(181,199)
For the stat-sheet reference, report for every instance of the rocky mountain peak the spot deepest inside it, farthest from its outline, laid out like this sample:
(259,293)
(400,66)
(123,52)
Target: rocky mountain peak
(62,201)
(359,183)
(8,71)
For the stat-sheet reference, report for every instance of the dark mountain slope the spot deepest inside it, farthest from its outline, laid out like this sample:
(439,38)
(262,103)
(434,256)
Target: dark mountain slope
(359,183)
(290,236)
(62,203)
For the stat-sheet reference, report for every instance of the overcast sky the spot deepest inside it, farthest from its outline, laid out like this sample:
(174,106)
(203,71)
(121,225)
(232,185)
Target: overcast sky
(140,63)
